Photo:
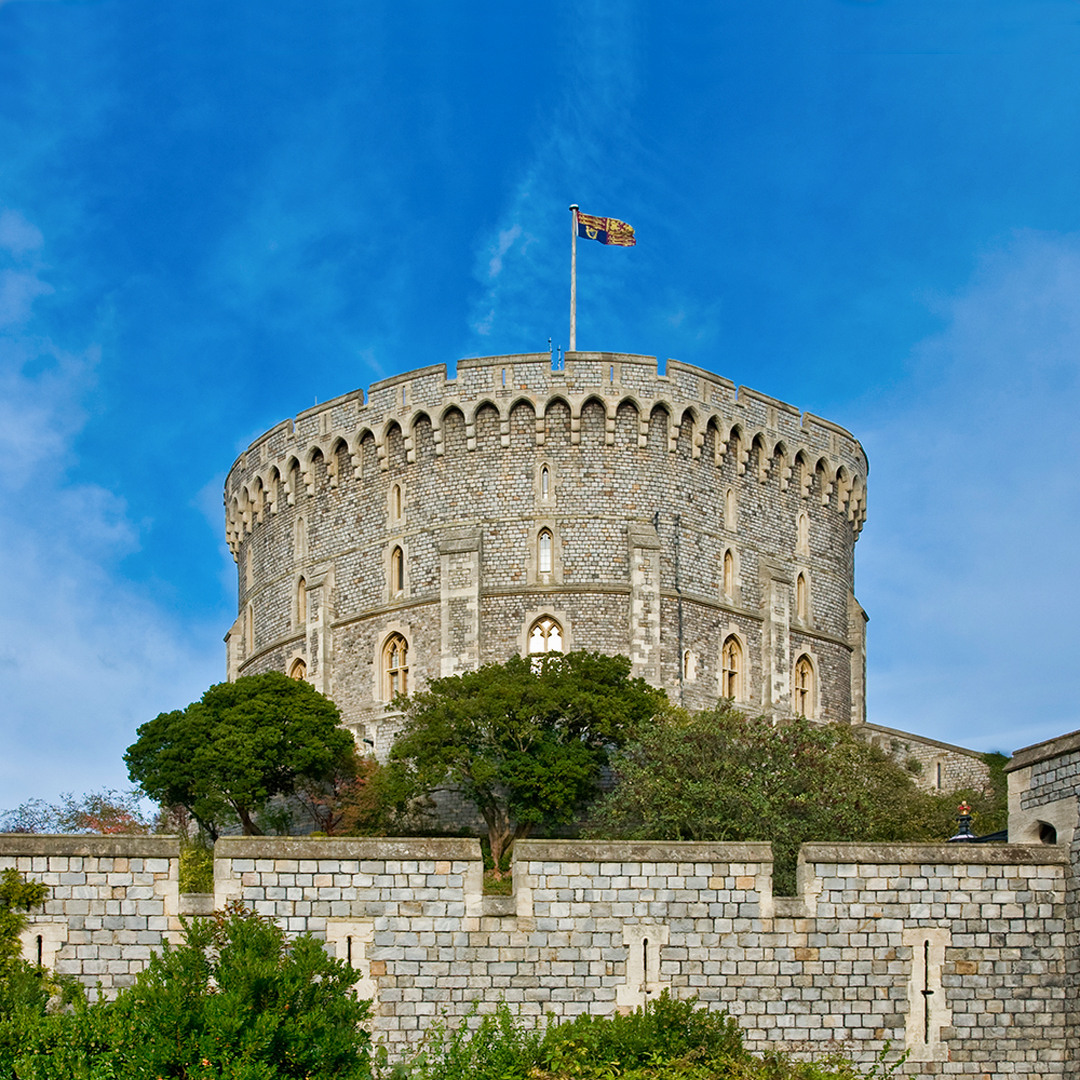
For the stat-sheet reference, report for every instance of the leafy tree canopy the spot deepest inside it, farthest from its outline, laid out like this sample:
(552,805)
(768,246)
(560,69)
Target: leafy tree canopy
(523,741)
(716,775)
(239,745)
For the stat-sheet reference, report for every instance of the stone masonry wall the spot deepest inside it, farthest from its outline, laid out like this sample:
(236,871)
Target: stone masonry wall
(645,482)
(957,954)
(112,901)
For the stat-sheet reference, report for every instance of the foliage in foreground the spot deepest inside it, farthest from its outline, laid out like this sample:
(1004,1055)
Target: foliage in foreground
(718,775)
(235,1000)
(666,1040)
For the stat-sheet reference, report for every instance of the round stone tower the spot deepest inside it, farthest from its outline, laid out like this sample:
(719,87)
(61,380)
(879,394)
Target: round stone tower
(706,532)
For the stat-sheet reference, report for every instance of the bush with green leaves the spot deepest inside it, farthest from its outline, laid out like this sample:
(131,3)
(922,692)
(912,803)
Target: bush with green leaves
(665,1040)
(236,1000)
(719,775)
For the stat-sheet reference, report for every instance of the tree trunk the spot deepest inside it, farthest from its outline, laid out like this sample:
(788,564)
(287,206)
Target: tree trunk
(500,835)
(250,828)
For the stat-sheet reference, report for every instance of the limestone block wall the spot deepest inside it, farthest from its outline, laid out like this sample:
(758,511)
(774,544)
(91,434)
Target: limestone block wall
(960,954)
(955,953)
(415,514)
(112,901)
(1043,783)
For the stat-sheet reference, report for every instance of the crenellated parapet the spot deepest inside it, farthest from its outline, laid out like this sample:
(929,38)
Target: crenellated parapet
(770,441)
(436,524)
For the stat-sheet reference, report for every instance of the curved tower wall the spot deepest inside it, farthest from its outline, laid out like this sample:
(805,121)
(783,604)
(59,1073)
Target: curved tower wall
(417,518)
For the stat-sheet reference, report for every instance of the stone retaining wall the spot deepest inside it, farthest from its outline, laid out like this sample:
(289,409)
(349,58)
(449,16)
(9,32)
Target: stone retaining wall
(955,953)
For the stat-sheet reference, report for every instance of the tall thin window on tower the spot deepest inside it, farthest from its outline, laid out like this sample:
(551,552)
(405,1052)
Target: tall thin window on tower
(397,571)
(395,667)
(544,546)
(301,601)
(729,574)
(731,670)
(802,606)
(545,482)
(803,694)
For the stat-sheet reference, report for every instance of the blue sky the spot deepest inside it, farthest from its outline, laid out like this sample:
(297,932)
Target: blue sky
(213,214)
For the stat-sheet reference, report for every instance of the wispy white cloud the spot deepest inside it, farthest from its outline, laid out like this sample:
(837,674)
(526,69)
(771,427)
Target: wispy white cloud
(515,252)
(967,566)
(85,655)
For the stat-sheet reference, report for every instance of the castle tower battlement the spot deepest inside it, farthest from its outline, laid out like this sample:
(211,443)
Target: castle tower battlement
(437,524)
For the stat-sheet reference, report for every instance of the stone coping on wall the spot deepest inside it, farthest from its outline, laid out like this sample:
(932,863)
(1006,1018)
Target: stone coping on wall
(677,851)
(412,848)
(77,844)
(935,854)
(1043,751)
(910,736)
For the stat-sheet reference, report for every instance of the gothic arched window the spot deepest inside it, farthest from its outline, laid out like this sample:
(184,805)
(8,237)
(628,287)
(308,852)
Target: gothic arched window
(803,694)
(397,572)
(301,601)
(544,551)
(298,670)
(729,574)
(731,669)
(545,635)
(802,602)
(395,667)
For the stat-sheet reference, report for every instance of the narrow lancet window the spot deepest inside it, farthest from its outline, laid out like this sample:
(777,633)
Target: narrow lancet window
(396,666)
(544,551)
(397,571)
(731,673)
(804,687)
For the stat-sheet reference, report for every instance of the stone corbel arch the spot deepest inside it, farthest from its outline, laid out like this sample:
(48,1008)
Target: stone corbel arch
(696,433)
(292,478)
(409,434)
(314,452)
(609,419)
(782,464)
(639,409)
(806,473)
(825,471)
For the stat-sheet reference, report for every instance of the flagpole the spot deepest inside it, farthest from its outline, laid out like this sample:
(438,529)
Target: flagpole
(573,278)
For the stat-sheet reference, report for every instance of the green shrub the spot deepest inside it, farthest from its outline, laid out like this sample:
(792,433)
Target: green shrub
(196,868)
(665,1040)
(234,1001)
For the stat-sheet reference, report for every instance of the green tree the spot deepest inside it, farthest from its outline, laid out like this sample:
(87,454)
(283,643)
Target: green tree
(717,775)
(523,741)
(238,746)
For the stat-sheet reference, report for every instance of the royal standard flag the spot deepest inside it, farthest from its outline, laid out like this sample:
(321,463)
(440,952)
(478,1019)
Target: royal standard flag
(607,230)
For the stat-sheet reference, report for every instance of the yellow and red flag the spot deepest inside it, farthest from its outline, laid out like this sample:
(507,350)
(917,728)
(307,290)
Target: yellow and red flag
(607,230)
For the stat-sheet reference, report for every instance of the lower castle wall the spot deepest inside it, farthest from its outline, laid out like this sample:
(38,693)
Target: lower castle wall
(955,953)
